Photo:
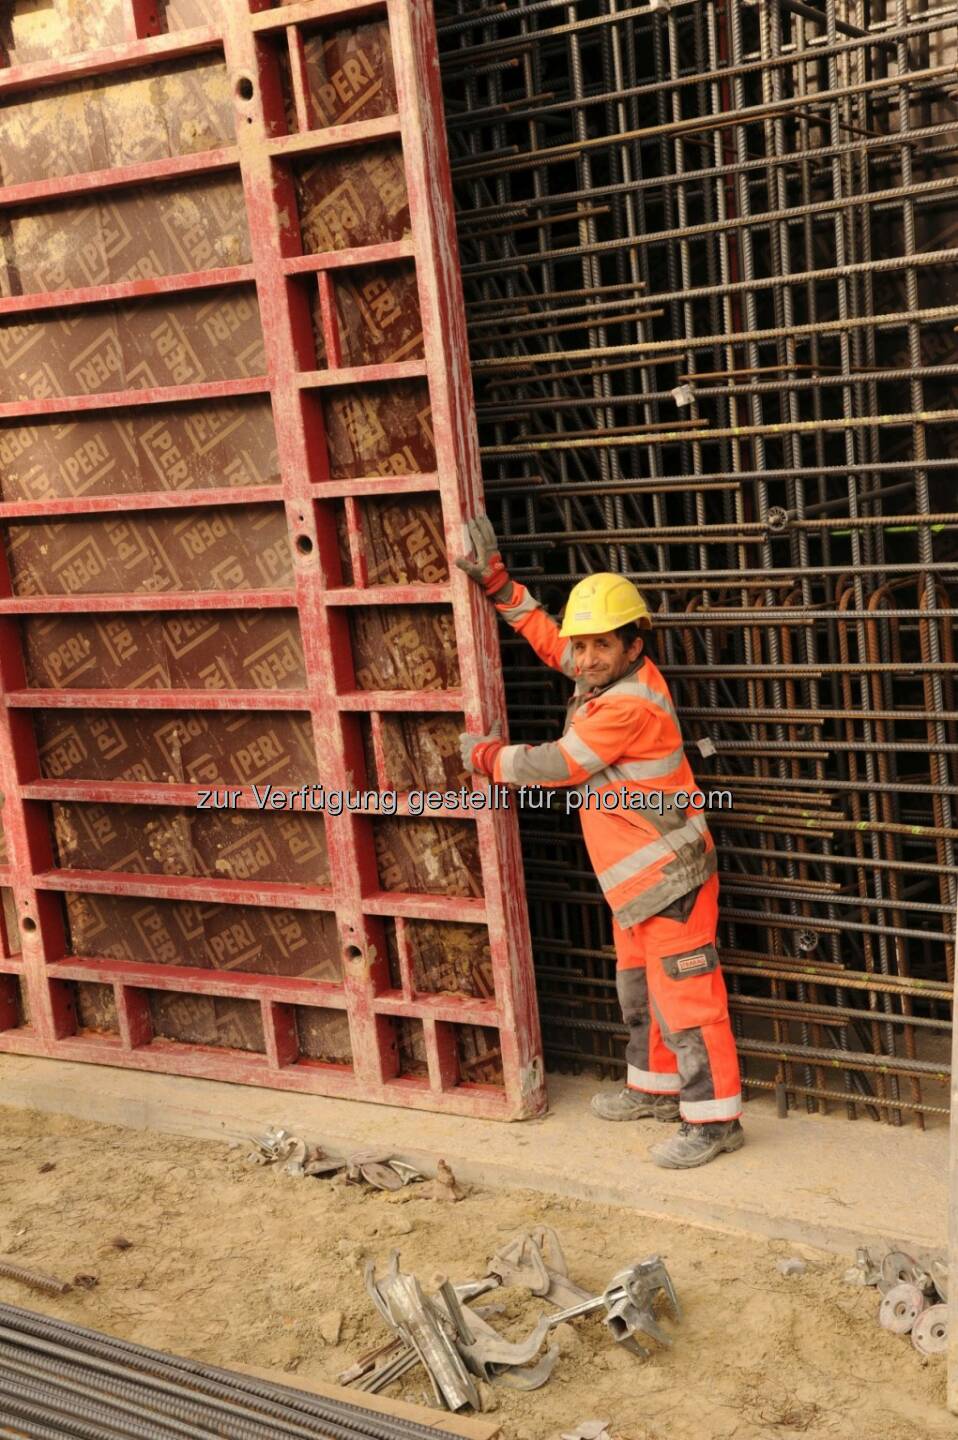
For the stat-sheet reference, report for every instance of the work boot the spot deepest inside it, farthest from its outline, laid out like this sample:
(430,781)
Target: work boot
(697,1144)
(634,1105)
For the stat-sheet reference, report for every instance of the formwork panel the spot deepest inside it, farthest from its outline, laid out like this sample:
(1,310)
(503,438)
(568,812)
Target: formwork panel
(236,449)
(215,445)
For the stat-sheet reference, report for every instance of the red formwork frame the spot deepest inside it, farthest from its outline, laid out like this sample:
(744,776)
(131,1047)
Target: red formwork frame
(248,30)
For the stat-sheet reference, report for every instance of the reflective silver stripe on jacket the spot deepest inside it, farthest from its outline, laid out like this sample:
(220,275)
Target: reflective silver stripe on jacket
(646,855)
(628,686)
(582,753)
(533,764)
(694,870)
(526,605)
(640,769)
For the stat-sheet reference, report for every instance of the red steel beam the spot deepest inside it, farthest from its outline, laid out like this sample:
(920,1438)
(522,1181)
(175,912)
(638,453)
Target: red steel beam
(361,375)
(132,792)
(359,132)
(120,501)
(82,699)
(375,485)
(123,399)
(271,893)
(313,10)
(190,979)
(127,289)
(148,601)
(358,255)
(453,1009)
(146,172)
(425,907)
(402,700)
(111,60)
(167,1057)
(391,595)
(420,105)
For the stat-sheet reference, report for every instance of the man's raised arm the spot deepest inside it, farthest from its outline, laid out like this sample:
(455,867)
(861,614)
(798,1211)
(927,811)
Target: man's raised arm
(513,601)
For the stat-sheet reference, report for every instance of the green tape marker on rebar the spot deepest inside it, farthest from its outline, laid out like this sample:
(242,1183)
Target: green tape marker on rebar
(891,530)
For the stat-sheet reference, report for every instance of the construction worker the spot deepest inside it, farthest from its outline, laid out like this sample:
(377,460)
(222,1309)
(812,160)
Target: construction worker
(621,751)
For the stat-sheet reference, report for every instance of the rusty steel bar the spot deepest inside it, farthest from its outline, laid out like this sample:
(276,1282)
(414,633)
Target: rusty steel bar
(768,458)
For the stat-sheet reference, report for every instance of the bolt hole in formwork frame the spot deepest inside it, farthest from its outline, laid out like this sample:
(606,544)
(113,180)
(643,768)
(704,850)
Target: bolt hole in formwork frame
(237,439)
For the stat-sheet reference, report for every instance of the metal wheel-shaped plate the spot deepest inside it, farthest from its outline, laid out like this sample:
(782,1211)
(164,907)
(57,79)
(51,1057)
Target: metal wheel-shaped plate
(900,1308)
(383,1177)
(897,1268)
(930,1331)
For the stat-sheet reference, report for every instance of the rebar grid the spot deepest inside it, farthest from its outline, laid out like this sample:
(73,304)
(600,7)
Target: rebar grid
(709,253)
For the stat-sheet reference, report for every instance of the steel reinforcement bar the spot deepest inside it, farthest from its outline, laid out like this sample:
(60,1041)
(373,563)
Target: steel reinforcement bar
(60,1379)
(708,251)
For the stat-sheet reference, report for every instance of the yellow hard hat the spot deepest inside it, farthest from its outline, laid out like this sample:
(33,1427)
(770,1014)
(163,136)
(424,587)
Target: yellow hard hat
(603,602)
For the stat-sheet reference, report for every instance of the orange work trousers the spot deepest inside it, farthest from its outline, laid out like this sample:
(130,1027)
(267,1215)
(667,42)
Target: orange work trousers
(673,998)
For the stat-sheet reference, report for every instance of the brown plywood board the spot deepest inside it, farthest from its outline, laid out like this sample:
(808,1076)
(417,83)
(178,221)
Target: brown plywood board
(381,429)
(323,1035)
(404,540)
(479,1054)
(33,30)
(433,857)
(200,748)
(251,938)
(377,309)
(404,647)
(234,548)
(185,14)
(285,846)
(254,650)
(353,198)
(448,958)
(127,234)
(12,943)
(217,443)
(100,124)
(95,1006)
(349,74)
(207,1020)
(101,349)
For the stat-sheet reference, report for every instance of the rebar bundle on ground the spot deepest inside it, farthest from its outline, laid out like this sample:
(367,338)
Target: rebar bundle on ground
(58,1380)
(710,253)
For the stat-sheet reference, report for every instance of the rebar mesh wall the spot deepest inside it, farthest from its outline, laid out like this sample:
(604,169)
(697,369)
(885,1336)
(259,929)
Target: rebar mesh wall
(710,253)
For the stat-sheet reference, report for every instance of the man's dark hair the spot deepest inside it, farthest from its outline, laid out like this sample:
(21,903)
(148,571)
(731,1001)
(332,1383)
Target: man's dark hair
(631,632)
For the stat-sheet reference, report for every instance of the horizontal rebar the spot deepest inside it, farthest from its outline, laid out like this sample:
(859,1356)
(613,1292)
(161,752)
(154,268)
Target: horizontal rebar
(786,196)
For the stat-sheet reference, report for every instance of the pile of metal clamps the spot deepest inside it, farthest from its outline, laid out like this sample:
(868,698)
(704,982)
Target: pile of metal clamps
(378,1168)
(457,1346)
(914,1294)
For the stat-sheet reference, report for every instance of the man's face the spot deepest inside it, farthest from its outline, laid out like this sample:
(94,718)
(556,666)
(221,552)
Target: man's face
(600,659)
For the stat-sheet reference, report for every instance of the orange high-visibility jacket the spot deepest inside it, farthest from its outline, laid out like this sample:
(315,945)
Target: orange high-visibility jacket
(623,738)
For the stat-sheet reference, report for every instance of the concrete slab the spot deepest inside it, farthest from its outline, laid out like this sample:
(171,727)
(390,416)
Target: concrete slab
(821,1180)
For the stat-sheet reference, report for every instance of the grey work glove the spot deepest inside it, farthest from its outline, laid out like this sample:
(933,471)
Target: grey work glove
(486,566)
(468,745)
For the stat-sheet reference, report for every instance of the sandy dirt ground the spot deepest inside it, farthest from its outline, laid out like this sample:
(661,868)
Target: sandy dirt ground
(235,1264)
